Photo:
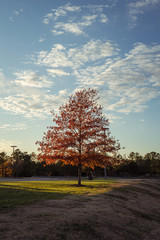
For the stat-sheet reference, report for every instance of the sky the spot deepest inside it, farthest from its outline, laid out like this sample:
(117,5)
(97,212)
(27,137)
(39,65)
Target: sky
(49,49)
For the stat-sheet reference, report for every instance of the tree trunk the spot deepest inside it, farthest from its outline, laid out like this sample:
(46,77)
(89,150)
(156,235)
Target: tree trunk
(79,175)
(105,172)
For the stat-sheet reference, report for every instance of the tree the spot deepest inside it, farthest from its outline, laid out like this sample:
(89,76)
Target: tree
(77,137)
(152,162)
(5,169)
(134,156)
(23,165)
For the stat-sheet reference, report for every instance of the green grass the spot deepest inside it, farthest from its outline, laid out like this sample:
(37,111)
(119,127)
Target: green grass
(26,192)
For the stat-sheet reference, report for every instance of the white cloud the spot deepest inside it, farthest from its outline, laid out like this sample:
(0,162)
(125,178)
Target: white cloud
(92,51)
(103,18)
(138,8)
(73,21)
(32,106)
(5,145)
(64,10)
(47,18)
(2,78)
(60,12)
(75,57)
(42,39)
(70,8)
(89,17)
(28,78)
(14,14)
(57,57)
(5,84)
(14,127)
(55,32)
(58,72)
(63,92)
(75,28)
(78,27)
(130,82)
(46,21)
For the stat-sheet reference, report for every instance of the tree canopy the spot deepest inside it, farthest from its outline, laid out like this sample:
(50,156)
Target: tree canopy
(80,134)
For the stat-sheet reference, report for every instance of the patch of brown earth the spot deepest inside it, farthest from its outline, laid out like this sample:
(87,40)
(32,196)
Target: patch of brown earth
(129,212)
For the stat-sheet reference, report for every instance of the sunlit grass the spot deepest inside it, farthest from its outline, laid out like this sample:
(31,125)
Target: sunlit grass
(26,192)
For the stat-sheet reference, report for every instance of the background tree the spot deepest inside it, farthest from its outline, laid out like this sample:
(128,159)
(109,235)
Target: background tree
(24,164)
(2,161)
(77,137)
(152,163)
(5,165)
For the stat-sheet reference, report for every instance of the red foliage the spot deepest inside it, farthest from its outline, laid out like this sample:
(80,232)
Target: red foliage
(80,134)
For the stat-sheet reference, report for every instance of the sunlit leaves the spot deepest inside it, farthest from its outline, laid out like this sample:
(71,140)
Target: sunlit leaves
(80,134)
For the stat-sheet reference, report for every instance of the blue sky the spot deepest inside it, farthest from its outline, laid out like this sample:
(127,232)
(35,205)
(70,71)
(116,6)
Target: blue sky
(48,49)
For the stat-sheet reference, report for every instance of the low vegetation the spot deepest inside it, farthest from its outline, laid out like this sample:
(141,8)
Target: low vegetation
(26,192)
(99,210)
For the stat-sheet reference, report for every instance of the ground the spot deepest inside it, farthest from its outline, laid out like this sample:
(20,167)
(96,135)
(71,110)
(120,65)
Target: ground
(130,211)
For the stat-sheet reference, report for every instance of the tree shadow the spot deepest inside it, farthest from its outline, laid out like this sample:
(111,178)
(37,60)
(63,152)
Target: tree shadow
(11,197)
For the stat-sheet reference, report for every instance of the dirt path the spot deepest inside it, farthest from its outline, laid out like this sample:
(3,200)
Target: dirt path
(130,212)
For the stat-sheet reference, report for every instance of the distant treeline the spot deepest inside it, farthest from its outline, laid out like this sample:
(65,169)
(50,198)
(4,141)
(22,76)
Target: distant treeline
(23,164)
(136,164)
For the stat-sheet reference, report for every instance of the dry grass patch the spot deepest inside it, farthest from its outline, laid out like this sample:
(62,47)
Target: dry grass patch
(126,212)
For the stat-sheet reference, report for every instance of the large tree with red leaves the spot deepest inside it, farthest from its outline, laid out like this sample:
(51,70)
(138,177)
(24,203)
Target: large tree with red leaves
(80,134)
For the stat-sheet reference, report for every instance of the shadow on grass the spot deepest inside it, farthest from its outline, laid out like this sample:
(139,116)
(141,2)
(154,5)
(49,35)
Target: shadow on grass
(12,197)
(20,193)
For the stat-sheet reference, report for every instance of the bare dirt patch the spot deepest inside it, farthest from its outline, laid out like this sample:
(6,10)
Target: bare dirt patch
(129,212)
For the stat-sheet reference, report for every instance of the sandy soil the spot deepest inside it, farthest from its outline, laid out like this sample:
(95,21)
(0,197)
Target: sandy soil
(131,212)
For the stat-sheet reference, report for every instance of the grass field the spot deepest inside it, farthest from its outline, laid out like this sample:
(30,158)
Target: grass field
(19,193)
(125,209)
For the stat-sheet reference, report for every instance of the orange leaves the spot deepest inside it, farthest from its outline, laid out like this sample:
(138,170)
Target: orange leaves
(77,136)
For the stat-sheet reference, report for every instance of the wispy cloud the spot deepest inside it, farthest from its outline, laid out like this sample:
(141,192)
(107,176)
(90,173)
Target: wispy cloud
(13,127)
(76,28)
(60,12)
(28,78)
(5,145)
(34,106)
(75,24)
(2,78)
(14,14)
(57,72)
(129,82)
(138,8)
(42,39)
(74,57)
(92,51)
(5,84)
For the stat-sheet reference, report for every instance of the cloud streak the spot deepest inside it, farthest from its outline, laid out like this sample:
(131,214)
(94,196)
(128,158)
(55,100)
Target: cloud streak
(14,14)
(138,8)
(28,78)
(65,20)
(35,106)
(73,57)
(13,127)
(126,82)
(129,82)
